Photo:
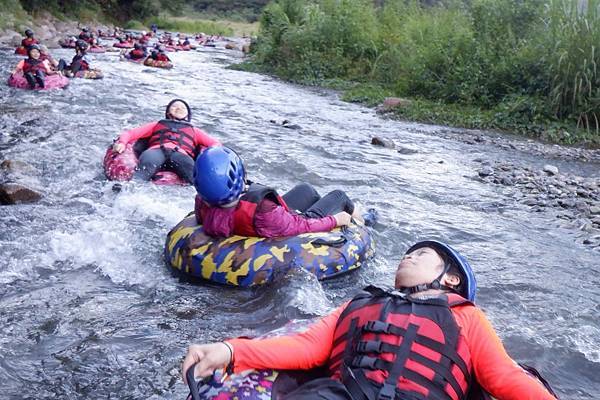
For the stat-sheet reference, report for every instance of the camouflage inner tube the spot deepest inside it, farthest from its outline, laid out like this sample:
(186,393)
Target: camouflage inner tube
(250,261)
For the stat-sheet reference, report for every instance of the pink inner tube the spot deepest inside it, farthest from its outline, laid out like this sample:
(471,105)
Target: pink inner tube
(51,82)
(125,45)
(97,49)
(120,167)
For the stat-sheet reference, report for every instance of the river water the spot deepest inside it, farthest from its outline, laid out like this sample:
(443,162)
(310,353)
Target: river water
(88,308)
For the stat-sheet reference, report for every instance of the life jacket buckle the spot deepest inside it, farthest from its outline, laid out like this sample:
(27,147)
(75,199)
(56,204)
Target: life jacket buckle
(377,327)
(364,362)
(371,346)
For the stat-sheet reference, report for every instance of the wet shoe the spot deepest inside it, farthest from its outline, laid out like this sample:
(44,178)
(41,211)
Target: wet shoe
(370,217)
(117,187)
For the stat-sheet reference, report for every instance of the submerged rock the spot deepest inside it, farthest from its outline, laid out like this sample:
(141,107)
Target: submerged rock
(387,143)
(14,193)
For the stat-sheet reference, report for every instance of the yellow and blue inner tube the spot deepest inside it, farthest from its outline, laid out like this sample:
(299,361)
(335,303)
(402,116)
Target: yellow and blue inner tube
(250,261)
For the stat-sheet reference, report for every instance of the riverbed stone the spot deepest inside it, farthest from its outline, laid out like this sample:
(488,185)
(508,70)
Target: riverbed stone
(395,102)
(550,169)
(486,171)
(387,143)
(14,193)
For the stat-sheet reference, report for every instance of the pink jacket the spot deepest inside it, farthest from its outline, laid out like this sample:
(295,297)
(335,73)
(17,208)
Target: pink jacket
(201,138)
(271,220)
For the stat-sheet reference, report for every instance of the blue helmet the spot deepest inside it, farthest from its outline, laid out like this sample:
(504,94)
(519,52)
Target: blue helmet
(219,175)
(469,283)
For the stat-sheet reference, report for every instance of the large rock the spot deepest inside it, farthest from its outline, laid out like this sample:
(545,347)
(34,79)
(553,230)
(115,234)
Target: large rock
(14,193)
(16,40)
(387,143)
(550,169)
(395,102)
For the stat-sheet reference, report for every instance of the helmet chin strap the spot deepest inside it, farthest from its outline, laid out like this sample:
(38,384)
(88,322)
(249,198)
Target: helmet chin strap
(435,284)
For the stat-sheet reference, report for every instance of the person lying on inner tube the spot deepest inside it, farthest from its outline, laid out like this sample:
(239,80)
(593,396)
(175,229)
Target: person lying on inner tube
(29,39)
(34,68)
(159,56)
(138,52)
(79,62)
(172,141)
(227,204)
(426,339)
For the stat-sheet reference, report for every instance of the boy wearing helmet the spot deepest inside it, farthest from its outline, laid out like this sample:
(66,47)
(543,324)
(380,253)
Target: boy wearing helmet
(79,61)
(172,141)
(227,204)
(425,339)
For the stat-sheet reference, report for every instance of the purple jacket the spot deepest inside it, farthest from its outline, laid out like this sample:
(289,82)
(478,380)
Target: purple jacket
(270,220)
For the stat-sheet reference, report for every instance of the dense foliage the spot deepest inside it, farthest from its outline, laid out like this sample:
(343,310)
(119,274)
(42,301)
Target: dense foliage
(140,10)
(529,61)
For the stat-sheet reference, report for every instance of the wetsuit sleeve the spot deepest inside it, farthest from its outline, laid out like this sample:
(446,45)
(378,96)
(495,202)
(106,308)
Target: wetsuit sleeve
(272,220)
(203,139)
(136,133)
(494,369)
(306,350)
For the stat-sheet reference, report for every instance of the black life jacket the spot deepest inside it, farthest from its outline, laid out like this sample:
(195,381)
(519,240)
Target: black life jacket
(179,133)
(388,346)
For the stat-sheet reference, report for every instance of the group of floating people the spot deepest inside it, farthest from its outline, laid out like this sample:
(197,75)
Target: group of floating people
(424,339)
(41,71)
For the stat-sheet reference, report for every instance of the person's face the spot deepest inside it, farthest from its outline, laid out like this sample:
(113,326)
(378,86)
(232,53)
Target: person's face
(178,110)
(35,54)
(421,266)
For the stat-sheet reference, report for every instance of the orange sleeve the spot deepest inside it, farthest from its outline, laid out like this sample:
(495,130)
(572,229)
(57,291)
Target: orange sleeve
(20,65)
(497,373)
(136,133)
(300,351)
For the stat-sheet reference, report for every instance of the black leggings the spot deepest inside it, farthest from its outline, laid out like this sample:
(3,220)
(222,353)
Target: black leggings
(307,201)
(32,78)
(152,159)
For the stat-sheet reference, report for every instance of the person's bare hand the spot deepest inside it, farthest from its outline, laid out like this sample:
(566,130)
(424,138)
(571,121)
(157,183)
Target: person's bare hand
(342,218)
(119,147)
(207,358)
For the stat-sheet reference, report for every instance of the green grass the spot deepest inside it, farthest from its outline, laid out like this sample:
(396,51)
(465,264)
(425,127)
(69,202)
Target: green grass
(528,66)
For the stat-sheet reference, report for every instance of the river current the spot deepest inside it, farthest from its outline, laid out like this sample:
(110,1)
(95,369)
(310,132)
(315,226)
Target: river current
(88,308)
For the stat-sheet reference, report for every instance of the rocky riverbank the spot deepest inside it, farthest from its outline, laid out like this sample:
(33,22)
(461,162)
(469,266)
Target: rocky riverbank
(48,30)
(574,199)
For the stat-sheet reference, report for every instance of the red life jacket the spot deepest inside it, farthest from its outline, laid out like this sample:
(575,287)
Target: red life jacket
(27,42)
(33,66)
(137,54)
(177,132)
(387,346)
(162,57)
(243,216)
